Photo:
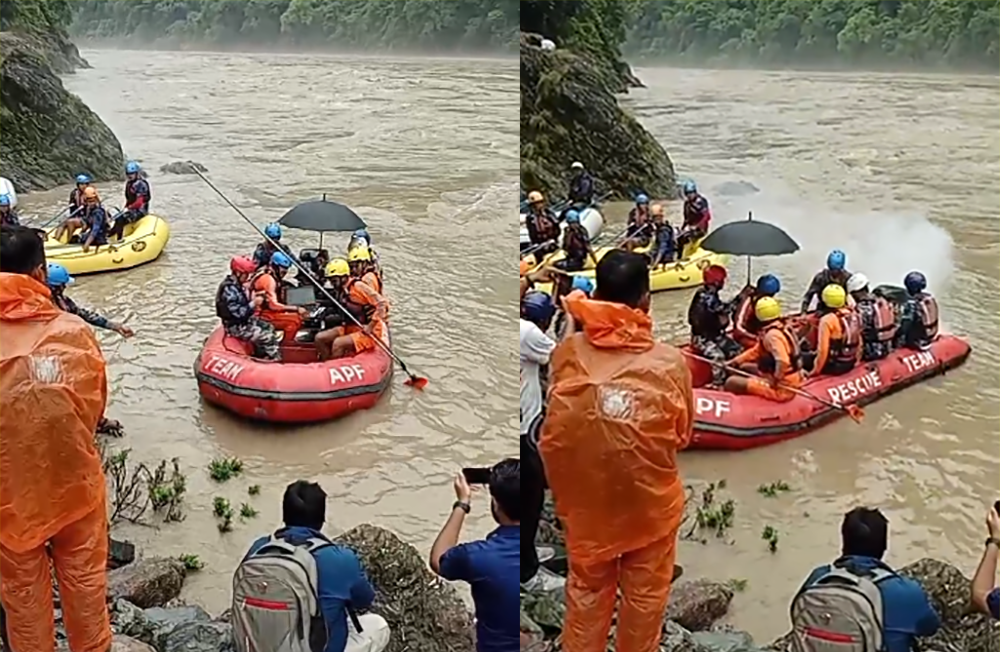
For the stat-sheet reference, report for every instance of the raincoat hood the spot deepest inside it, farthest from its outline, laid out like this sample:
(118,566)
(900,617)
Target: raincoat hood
(609,325)
(22,298)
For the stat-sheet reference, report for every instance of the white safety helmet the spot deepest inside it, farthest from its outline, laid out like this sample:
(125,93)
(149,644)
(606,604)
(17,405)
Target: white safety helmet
(548,45)
(858,281)
(577,165)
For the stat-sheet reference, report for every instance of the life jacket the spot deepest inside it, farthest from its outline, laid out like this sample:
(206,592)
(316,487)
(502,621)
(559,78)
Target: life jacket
(575,242)
(746,316)
(882,326)
(131,195)
(252,285)
(222,308)
(927,312)
(75,199)
(696,212)
(768,365)
(845,348)
(372,278)
(363,312)
(545,225)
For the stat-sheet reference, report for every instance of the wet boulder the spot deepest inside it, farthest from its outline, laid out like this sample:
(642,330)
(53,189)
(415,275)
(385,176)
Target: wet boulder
(148,582)
(129,620)
(183,167)
(162,622)
(423,611)
(199,636)
(697,605)
(118,644)
(49,134)
(735,189)
(570,112)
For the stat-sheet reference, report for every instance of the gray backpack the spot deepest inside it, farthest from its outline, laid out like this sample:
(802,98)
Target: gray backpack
(840,612)
(275,604)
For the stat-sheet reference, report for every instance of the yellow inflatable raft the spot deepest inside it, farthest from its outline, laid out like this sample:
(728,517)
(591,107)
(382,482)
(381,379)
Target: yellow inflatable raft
(678,275)
(143,243)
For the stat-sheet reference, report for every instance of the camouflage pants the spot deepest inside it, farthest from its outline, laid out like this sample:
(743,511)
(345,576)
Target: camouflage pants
(265,339)
(872,351)
(718,350)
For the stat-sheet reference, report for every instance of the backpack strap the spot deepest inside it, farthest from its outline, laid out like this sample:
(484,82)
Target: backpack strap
(875,574)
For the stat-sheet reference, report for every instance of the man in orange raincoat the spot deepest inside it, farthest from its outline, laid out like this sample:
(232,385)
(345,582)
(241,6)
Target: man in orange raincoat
(52,487)
(620,407)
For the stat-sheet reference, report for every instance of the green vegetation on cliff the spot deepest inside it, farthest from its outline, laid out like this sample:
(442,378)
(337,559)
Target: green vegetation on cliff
(432,25)
(821,33)
(48,134)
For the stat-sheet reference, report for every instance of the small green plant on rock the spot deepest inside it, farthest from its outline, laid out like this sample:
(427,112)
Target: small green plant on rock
(225,468)
(771,536)
(247,512)
(711,514)
(738,585)
(773,489)
(191,562)
(166,491)
(253,490)
(224,512)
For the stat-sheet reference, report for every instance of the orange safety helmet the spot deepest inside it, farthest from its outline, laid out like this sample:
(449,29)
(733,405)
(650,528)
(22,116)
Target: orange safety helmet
(90,195)
(535,197)
(524,267)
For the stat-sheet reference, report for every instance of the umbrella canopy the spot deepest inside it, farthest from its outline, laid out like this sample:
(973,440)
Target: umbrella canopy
(322,215)
(750,238)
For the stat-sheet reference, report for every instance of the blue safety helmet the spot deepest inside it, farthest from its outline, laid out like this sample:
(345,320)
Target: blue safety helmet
(57,276)
(132,167)
(836,261)
(572,217)
(273,231)
(915,282)
(362,234)
(641,199)
(583,284)
(4,200)
(768,285)
(83,178)
(281,259)
(689,188)
(537,307)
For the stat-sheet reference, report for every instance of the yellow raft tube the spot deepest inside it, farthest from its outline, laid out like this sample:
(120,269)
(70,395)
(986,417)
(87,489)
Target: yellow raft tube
(143,243)
(678,275)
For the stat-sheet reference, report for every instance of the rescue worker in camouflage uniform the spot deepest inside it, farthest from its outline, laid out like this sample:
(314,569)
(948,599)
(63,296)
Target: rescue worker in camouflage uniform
(58,279)
(918,319)
(835,273)
(236,310)
(878,319)
(708,317)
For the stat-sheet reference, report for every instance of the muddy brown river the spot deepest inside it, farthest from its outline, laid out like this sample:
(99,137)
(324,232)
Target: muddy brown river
(427,151)
(900,171)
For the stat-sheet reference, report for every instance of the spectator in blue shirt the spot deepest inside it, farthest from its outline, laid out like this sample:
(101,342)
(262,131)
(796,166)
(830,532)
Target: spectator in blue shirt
(491,566)
(342,584)
(908,612)
(985,594)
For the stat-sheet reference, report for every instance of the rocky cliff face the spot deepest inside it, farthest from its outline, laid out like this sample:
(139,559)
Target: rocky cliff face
(569,112)
(47,134)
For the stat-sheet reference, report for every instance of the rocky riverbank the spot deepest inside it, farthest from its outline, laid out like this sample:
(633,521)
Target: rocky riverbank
(49,134)
(424,613)
(570,112)
(696,607)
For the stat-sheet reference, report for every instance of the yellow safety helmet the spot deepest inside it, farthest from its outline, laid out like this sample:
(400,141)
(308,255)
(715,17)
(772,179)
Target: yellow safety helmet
(834,296)
(535,197)
(767,309)
(337,267)
(359,254)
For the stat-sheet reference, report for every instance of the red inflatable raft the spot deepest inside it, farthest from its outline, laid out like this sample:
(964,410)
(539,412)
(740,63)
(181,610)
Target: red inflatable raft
(296,390)
(734,422)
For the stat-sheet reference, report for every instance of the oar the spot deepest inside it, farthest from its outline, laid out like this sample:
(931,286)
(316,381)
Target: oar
(52,219)
(854,411)
(413,380)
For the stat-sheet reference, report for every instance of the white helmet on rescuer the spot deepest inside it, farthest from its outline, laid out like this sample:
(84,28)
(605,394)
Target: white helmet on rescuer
(857,282)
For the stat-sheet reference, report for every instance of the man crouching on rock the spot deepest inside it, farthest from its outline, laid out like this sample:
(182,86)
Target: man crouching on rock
(52,491)
(620,407)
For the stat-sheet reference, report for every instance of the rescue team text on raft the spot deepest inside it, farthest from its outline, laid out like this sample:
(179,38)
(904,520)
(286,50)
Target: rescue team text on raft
(229,370)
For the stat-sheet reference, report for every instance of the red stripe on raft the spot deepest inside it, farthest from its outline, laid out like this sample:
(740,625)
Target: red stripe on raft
(725,421)
(271,605)
(832,637)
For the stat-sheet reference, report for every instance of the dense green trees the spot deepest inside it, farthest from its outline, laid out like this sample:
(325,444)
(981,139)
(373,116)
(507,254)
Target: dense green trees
(396,24)
(869,33)
(45,15)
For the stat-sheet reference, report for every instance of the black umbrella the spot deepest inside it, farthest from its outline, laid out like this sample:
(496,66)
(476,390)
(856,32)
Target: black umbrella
(322,215)
(750,238)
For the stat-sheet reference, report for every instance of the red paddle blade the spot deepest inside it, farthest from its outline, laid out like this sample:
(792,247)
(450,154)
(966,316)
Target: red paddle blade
(416,382)
(855,412)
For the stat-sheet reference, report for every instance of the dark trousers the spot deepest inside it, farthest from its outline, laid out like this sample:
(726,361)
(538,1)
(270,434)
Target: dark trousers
(533,499)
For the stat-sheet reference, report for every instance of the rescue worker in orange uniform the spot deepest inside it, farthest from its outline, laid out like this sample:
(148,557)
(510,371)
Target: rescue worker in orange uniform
(620,407)
(746,326)
(918,319)
(776,356)
(53,497)
(878,319)
(362,267)
(838,344)
(365,305)
(266,284)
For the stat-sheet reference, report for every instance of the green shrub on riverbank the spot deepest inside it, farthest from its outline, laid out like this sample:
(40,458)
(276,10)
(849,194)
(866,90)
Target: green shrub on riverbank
(336,24)
(822,33)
